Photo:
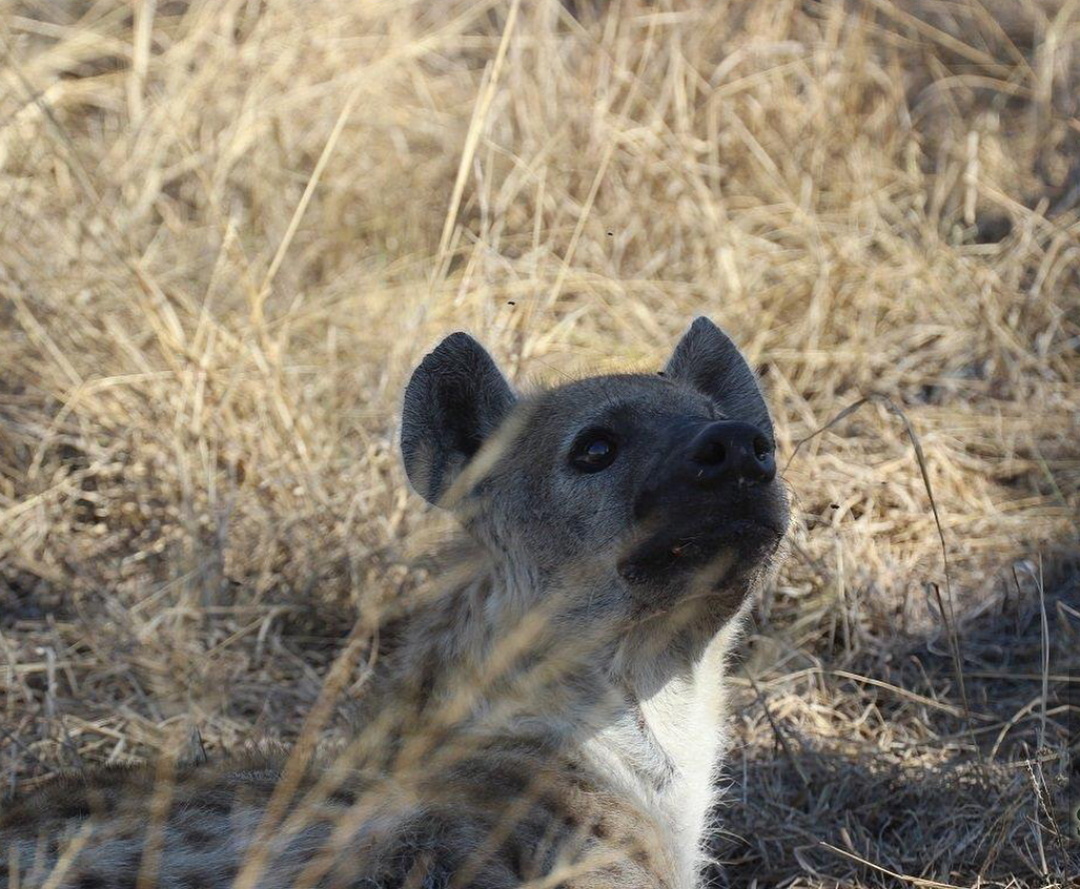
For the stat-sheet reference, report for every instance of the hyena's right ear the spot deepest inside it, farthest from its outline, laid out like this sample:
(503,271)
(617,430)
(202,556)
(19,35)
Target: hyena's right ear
(456,398)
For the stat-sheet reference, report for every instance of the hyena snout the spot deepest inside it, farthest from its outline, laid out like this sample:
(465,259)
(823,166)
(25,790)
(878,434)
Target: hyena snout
(713,498)
(728,452)
(712,472)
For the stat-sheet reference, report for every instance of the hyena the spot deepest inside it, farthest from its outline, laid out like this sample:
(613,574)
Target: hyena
(554,717)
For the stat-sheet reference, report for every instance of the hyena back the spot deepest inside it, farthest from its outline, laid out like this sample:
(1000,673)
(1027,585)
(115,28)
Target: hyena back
(554,718)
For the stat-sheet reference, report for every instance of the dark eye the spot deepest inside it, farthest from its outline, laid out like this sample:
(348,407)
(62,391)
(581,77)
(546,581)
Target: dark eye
(594,451)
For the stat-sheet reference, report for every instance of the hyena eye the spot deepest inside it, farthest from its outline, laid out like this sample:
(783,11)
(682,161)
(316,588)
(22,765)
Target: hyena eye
(594,451)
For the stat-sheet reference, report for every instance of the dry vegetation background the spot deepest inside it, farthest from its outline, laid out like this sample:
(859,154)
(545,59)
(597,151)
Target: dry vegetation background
(230,227)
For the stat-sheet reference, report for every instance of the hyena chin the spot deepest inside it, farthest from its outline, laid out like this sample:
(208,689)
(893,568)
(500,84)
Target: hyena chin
(554,718)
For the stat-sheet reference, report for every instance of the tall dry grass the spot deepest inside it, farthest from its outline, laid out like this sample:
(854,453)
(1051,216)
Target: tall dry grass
(230,227)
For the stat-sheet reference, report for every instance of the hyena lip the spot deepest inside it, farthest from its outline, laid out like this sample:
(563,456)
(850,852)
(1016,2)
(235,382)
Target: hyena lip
(667,552)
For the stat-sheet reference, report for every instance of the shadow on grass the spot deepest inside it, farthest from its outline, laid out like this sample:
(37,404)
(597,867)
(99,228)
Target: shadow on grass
(818,800)
(856,819)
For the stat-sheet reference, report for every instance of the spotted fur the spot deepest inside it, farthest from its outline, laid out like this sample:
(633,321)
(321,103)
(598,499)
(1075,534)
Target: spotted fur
(555,717)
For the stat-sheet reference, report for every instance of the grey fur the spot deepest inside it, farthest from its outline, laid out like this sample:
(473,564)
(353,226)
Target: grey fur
(558,705)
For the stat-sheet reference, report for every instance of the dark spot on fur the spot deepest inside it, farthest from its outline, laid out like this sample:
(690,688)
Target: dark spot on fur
(199,837)
(91,881)
(429,672)
(342,796)
(214,806)
(73,807)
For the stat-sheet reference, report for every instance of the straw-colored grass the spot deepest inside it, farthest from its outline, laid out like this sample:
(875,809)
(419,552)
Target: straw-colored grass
(230,227)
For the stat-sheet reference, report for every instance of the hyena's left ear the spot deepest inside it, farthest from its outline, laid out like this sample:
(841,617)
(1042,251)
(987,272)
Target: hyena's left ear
(710,362)
(455,400)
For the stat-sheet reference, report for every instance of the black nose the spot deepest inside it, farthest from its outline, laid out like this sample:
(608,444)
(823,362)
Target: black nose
(727,451)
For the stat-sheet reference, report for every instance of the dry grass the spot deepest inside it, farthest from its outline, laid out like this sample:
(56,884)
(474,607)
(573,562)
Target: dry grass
(229,227)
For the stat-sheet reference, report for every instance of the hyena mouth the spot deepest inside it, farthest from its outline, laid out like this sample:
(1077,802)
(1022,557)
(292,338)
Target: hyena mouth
(737,547)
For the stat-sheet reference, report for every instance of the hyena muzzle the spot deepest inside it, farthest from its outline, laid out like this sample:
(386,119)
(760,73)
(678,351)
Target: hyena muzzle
(554,717)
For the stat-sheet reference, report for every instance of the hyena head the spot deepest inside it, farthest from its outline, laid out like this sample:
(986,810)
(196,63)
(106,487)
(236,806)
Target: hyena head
(629,501)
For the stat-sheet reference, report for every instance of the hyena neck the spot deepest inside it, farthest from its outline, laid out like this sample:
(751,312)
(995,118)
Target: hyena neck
(666,746)
(524,657)
(653,733)
(478,650)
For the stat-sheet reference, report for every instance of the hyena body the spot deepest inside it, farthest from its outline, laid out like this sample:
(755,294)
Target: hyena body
(554,718)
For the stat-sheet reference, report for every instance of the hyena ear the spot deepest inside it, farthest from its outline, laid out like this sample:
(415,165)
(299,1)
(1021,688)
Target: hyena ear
(456,398)
(710,362)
